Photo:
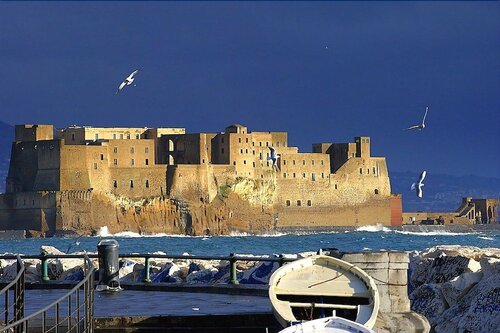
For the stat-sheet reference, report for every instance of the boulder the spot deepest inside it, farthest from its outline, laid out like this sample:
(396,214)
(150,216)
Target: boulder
(483,313)
(446,268)
(429,301)
(259,274)
(420,272)
(456,288)
(490,265)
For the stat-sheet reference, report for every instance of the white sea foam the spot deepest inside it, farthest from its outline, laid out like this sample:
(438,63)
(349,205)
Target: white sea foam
(487,238)
(433,233)
(373,228)
(246,234)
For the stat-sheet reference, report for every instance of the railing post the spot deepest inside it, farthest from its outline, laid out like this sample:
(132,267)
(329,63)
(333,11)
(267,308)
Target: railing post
(282,260)
(45,268)
(147,279)
(233,273)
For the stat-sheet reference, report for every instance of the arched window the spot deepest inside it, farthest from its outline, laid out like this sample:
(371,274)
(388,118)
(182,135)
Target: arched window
(376,191)
(147,183)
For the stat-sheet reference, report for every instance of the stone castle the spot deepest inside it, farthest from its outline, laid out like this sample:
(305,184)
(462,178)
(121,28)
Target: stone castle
(167,180)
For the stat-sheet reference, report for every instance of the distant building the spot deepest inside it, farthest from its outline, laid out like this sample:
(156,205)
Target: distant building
(470,211)
(335,184)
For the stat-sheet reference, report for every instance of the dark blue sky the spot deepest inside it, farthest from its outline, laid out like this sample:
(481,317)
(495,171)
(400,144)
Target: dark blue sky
(324,72)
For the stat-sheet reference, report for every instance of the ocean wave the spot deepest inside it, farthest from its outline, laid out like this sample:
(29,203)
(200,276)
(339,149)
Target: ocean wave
(373,228)
(486,238)
(246,234)
(434,233)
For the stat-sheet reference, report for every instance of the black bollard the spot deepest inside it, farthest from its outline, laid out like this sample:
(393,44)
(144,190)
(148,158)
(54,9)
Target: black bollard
(109,279)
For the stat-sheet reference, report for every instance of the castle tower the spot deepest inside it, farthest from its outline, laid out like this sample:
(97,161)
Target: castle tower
(362,146)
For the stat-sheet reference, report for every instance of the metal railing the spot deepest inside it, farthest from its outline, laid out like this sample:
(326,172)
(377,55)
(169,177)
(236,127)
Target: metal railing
(232,258)
(14,311)
(72,312)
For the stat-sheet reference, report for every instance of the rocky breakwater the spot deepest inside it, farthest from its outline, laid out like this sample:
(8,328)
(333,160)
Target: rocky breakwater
(457,288)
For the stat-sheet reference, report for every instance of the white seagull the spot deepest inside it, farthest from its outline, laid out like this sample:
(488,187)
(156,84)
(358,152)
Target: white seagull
(128,81)
(418,186)
(421,126)
(274,157)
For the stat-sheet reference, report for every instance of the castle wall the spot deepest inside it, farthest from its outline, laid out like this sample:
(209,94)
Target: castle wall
(371,212)
(34,132)
(34,166)
(28,211)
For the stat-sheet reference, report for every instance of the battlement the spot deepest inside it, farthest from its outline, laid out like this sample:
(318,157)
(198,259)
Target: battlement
(29,132)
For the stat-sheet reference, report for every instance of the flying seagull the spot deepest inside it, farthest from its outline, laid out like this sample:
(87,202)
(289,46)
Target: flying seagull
(421,126)
(418,186)
(274,157)
(74,244)
(128,81)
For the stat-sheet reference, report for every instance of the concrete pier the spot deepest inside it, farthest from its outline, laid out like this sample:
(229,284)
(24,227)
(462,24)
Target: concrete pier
(390,272)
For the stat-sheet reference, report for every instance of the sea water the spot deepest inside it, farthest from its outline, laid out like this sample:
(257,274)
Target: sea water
(371,238)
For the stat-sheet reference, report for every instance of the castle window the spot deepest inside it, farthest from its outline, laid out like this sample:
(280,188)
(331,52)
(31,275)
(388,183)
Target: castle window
(137,136)
(253,152)
(146,161)
(253,164)
(336,187)
(299,203)
(360,171)
(267,163)
(246,151)
(239,140)
(241,151)
(97,136)
(73,136)
(312,162)
(260,155)
(294,175)
(313,176)
(284,175)
(131,184)
(303,162)
(322,162)
(244,161)
(115,150)
(121,136)
(260,143)
(147,183)
(253,143)
(115,184)
(234,163)
(322,175)
(114,136)
(261,176)
(132,150)
(376,191)
(222,150)
(132,162)
(246,140)
(374,172)
(293,162)
(115,161)
(267,144)
(309,203)
(222,139)
(95,166)
(102,157)
(284,162)
(203,161)
(146,150)
(303,175)
(288,203)
(128,135)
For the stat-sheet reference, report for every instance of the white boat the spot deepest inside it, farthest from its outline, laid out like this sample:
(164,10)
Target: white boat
(327,325)
(322,286)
